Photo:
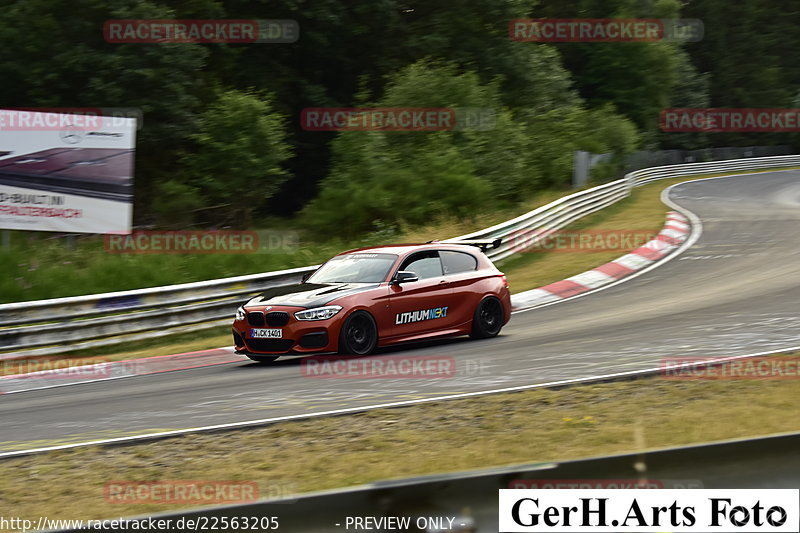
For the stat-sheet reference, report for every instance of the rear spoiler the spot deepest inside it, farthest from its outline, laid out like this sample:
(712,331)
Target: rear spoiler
(484,245)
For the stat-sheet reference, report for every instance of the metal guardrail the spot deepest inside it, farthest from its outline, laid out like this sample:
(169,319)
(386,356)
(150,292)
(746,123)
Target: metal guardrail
(470,498)
(66,324)
(44,327)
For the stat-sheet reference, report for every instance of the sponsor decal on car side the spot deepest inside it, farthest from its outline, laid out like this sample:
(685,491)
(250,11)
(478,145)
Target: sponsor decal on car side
(417,316)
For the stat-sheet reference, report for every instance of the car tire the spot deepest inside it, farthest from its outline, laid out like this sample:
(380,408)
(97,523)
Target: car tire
(359,334)
(263,358)
(488,318)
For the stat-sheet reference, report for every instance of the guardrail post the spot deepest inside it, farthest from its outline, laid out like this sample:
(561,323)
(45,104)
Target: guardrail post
(580,168)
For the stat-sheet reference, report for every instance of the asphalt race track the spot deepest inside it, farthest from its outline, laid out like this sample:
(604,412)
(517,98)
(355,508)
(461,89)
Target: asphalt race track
(735,291)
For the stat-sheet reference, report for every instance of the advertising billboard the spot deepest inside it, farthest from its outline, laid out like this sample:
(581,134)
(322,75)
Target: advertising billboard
(66,171)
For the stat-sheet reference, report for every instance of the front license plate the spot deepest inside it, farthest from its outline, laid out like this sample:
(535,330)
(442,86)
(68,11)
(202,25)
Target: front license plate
(266,333)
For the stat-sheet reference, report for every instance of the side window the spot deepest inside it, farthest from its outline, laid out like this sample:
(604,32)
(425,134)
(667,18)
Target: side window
(424,265)
(455,262)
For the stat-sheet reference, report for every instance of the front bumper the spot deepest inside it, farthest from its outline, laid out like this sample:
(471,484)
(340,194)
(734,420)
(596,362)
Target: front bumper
(297,336)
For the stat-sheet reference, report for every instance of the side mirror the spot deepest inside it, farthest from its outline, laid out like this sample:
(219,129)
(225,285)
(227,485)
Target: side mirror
(404,276)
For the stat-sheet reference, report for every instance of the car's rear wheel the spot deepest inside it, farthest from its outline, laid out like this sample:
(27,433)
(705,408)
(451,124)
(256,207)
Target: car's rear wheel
(488,319)
(263,358)
(359,334)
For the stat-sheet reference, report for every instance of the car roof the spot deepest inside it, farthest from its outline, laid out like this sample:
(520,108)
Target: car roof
(402,249)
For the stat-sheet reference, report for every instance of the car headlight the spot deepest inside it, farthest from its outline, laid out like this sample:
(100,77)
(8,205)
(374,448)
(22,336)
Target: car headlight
(318,313)
(240,313)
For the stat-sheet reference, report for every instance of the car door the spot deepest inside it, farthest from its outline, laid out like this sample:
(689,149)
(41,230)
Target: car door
(424,305)
(461,271)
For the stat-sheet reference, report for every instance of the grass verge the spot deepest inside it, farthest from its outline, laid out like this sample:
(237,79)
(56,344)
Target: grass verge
(501,429)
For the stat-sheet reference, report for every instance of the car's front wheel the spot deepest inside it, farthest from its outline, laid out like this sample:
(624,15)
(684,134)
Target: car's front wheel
(359,334)
(488,318)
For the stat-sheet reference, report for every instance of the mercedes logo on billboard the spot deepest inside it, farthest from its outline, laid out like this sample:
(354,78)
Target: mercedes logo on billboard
(71,134)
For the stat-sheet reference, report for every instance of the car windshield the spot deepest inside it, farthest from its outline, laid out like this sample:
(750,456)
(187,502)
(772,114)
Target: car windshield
(354,268)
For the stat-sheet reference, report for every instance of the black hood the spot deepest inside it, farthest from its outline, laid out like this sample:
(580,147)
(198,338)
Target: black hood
(309,295)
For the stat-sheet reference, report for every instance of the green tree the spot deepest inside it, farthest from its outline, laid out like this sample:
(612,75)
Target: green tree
(691,91)
(636,77)
(494,143)
(382,179)
(750,52)
(473,34)
(240,149)
(555,136)
(371,186)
